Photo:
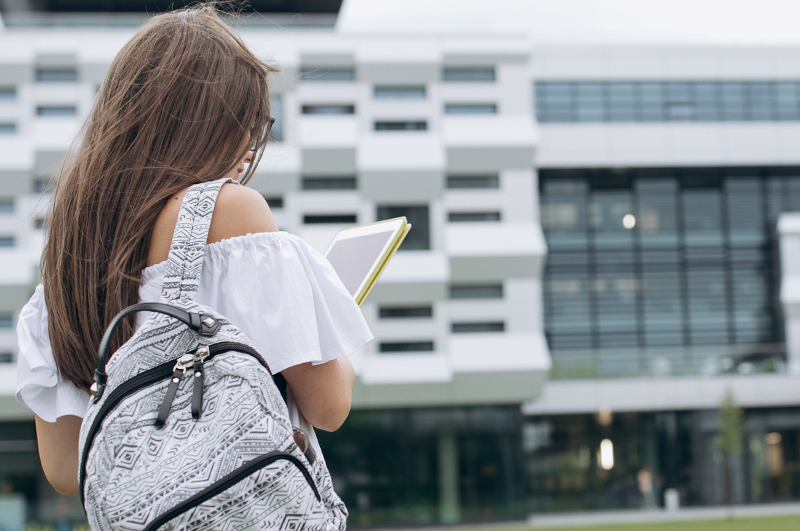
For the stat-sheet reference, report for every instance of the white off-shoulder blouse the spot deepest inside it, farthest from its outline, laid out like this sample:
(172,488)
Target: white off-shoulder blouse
(276,288)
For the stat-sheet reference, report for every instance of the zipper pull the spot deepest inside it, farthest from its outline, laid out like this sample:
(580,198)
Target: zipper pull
(197,391)
(177,374)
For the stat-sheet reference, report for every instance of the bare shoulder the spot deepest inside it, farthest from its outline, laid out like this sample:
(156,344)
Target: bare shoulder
(239,211)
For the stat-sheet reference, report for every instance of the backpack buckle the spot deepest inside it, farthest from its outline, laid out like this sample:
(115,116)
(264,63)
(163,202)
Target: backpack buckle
(203,324)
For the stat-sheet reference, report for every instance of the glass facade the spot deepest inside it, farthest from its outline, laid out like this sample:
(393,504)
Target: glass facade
(666,101)
(387,464)
(651,271)
(679,449)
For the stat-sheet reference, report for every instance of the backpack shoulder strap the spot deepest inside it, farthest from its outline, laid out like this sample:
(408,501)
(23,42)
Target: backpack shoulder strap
(185,261)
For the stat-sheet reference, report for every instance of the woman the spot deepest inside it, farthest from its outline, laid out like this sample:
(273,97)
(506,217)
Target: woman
(184,102)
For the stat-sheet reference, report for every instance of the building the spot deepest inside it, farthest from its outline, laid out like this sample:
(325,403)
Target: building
(440,131)
(601,193)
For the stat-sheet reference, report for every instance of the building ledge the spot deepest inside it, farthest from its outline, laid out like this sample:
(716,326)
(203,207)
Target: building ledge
(567,397)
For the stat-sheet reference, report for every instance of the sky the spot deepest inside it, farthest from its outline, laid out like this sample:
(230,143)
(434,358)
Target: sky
(585,21)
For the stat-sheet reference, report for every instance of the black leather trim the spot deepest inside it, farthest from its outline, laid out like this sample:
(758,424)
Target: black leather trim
(191,319)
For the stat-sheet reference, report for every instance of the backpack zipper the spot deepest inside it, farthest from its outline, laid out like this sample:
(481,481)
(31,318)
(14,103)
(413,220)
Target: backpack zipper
(197,385)
(228,481)
(178,372)
(146,379)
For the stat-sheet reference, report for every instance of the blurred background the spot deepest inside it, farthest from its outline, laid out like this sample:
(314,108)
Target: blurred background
(599,304)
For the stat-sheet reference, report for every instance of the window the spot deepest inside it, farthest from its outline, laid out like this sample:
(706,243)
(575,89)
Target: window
(6,320)
(329,109)
(473,181)
(57,75)
(6,241)
(329,183)
(8,93)
(8,128)
(275,201)
(406,346)
(392,125)
(6,205)
(406,312)
(666,101)
(276,111)
(459,217)
(694,265)
(56,110)
(412,92)
(418,238)
(320,219)
(6,357)
(477,327)
(327,73)
(470,108)
(41,185)
(469,74)
(476,291)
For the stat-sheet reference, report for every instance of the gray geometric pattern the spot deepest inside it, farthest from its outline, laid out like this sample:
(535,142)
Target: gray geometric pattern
(136,472)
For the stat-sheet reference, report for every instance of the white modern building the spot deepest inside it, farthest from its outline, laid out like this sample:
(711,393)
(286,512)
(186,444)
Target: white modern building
(604,244)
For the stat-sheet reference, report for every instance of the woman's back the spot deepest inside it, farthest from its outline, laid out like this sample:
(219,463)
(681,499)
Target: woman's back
(184,102)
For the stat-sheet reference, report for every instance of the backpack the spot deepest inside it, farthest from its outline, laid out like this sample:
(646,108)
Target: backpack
(187,428)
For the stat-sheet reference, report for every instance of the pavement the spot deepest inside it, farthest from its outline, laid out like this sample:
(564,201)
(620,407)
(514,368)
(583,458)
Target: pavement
(590,518)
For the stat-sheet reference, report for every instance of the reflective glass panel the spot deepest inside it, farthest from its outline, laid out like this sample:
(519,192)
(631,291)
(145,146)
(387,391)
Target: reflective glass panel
(702,217)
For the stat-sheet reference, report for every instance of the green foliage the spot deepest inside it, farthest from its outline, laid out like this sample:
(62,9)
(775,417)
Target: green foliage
(731,426)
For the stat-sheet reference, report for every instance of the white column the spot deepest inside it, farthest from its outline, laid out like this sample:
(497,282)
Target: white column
(789,232)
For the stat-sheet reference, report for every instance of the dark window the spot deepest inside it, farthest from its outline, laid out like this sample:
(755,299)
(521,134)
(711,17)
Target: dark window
(327,73)
(406,312)
(468,74)
(6,320)
(319,219)
(470,108)
(8,128)
(56,75)
(6,205)
(488,326)
(476,291)
(6,357)
(392,125)
(457,217)
(329,183)
(400,92)
(8,93)
(38,223)
(276,111)
(274,201)
(56,110)
(329,109)
(6,241)
(41,185)
(407,346)
(473,181)
(418,238)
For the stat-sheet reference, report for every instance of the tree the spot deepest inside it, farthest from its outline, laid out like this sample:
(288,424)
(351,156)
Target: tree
(729,438)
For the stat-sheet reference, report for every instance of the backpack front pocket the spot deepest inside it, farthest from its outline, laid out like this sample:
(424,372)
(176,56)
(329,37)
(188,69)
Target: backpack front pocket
(278,482)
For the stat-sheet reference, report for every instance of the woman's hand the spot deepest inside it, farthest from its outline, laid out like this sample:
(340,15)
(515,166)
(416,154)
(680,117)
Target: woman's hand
(58,452)
(323,392)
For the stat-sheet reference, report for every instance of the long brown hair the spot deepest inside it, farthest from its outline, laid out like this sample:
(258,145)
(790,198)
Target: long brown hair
(182,103)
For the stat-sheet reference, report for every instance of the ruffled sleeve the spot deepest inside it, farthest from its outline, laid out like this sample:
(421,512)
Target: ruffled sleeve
(285,296)
(40,388)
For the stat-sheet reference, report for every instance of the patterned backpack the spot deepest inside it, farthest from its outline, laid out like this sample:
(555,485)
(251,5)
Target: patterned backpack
(187,428)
